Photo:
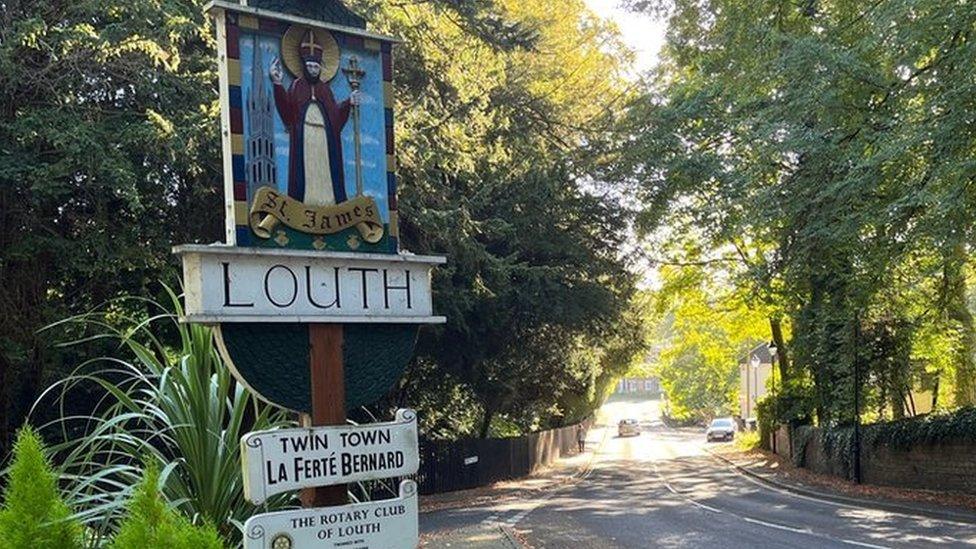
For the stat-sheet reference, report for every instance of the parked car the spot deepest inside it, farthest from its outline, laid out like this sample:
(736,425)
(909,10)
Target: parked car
(722,428)
(628,427)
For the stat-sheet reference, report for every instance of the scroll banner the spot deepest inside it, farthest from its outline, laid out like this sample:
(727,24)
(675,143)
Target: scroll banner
(271,208)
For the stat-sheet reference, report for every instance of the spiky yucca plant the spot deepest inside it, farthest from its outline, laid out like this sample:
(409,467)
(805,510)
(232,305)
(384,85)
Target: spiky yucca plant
(171,402)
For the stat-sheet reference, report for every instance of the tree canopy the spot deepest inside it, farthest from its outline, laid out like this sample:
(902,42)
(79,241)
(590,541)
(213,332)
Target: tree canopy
(109,155)
(826,148)
(493,163)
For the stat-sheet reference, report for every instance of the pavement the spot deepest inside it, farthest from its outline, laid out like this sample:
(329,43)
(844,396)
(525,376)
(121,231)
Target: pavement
(769,470)
(469,518)
(665,488)
(475,537)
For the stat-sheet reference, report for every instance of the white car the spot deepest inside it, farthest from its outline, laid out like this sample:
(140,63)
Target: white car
(722,428)
(628,427)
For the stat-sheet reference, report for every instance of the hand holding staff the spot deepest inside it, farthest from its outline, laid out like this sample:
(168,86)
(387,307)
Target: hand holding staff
(354,75)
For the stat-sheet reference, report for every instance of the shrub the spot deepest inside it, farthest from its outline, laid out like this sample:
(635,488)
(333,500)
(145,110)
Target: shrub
(33,514)
(748,440)
(958,426)
(151,523)
(168,397)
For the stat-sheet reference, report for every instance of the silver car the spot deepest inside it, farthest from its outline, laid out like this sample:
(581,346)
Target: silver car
(628,427)
(722,428)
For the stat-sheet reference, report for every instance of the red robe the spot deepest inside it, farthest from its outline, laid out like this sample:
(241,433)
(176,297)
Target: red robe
(292,105)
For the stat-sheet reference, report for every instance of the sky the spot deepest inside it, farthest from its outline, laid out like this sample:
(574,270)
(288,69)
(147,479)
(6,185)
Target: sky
(645,36)
(641,33)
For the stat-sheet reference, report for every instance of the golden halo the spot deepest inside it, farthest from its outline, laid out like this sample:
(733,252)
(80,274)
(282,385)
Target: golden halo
(291,53)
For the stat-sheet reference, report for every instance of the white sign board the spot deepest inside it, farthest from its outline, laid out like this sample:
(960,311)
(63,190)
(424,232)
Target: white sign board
(386,524)
(289,459)
(231,284)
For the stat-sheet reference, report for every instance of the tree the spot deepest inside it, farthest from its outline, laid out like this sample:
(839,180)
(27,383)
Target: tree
(150,523)
(823,145)
(504,110)
(493,165)
(110,155)
(708,330)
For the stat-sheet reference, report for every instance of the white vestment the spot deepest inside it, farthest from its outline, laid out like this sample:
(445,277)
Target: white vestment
(318,176)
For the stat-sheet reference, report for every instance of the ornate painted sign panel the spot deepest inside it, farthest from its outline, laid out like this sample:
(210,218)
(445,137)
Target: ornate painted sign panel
(309,168)
(386,524)
(288,459)
(253,285)
(309,128)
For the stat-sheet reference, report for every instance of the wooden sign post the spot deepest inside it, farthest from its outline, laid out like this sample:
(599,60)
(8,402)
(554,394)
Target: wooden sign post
(314,307)
(328,400)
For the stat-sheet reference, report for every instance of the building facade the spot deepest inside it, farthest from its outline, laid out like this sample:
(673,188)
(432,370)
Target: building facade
(755,377)
(630,385)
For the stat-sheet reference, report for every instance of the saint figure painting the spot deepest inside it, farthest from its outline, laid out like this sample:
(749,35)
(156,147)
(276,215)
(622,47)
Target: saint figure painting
(313,154)
(312,117)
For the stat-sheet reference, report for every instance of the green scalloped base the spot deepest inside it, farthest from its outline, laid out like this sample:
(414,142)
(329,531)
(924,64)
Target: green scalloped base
(272,360)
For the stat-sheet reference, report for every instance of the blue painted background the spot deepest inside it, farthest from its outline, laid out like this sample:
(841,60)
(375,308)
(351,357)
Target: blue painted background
(372,109)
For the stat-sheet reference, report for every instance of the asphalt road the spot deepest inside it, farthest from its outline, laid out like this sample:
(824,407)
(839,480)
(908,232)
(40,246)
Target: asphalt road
(662,489)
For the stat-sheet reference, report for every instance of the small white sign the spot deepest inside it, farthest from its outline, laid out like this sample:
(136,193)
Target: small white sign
(386,524)
(232,284)
(290,459)
(471,460)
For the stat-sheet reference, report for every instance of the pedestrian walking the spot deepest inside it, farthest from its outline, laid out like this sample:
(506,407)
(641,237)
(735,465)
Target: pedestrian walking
(581,437)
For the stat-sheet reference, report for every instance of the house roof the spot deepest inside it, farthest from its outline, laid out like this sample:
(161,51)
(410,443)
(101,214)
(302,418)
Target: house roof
(761,351)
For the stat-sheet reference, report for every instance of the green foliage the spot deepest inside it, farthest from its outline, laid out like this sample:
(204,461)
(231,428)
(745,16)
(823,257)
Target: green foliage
(491,168)
(704,331)
(957,427)
(149,522)
(837,444)
(801,438)
(766,417)
(825,148)
(110,133)
(33,513)
(110,128)
(792,403)
(166,396)
(748,440)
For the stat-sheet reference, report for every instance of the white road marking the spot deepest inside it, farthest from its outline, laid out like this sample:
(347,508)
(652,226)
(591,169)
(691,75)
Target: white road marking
(778,526)
(862,544)
(543,499)
(680,447)
(758,522)
(674,491)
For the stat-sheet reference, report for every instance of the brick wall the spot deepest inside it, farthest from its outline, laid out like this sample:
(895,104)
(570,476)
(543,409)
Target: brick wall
(814,455)
(933,466)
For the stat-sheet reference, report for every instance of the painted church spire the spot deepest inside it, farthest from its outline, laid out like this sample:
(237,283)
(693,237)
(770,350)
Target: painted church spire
(261,168)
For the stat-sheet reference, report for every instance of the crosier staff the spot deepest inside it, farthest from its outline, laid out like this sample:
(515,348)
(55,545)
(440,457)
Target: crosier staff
(354,75)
